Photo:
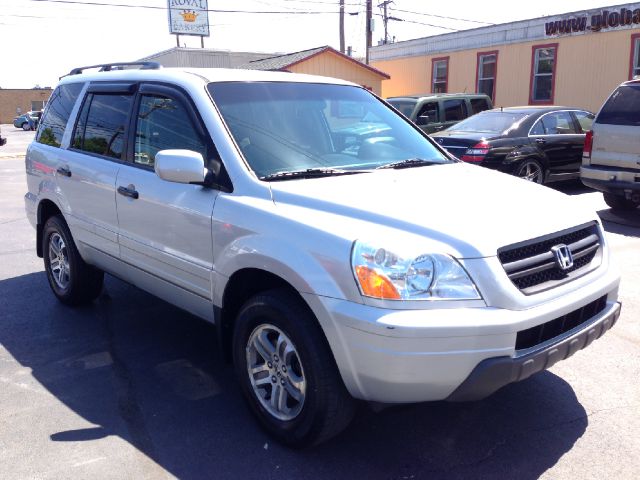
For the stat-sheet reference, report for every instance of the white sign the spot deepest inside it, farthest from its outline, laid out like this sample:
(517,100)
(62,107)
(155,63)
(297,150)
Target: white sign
(188,17)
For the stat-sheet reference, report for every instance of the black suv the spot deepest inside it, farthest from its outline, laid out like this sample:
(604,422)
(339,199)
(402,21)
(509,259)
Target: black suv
(437,111)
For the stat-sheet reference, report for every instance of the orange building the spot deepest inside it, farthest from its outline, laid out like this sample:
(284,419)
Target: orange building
(574,59)
(324,61)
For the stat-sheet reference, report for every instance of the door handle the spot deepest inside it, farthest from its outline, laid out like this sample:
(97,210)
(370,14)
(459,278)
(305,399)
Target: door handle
(129,191)
(64,171)
(541,140)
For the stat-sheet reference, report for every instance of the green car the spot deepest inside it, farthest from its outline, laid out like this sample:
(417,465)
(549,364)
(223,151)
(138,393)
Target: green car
(437,111)
(27,121)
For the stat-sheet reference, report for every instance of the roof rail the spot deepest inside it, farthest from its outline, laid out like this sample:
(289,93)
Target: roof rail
(107,67)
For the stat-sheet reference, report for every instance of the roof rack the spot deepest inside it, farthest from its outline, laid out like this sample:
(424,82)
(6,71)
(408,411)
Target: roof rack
(107,67)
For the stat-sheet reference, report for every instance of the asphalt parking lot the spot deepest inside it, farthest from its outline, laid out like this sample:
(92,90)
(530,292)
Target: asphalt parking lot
(131,387)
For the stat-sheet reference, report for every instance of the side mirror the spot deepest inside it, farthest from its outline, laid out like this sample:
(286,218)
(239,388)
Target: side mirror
(180,166)
(423,120)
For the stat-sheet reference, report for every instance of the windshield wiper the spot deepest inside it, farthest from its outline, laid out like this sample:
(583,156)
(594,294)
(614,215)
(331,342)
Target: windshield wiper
(408,163)
(309,173)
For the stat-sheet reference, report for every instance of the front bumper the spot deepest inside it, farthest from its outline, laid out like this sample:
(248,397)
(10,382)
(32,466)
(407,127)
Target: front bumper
(494,373)
(610,180)
(407,356)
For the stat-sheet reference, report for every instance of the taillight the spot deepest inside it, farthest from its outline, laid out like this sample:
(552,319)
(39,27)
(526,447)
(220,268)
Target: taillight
(476,153)
(588,144)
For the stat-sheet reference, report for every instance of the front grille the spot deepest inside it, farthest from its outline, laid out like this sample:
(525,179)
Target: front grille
(532,266)
(536,335)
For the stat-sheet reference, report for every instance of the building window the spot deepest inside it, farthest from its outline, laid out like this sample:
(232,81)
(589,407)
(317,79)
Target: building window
(486,73)
(543,69)
(634,67)
(37,104)
(440,74)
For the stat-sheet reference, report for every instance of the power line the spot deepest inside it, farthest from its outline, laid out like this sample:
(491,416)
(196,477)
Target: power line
(441,16)
(152,7)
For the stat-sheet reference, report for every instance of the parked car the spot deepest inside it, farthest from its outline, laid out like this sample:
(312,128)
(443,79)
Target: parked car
(3,140)
(28,121)
(539,144)
(375,267)
(611,158)
(438,111)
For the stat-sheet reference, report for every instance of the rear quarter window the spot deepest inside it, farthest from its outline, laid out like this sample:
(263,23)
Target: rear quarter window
(55,117)
(479,105)
(622,108)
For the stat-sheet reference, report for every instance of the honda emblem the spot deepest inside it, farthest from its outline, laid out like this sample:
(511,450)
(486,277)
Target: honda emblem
(563,257)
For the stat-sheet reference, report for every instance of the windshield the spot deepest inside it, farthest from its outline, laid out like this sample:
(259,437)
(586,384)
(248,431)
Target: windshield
(491,122)
(404,106)
(288,126)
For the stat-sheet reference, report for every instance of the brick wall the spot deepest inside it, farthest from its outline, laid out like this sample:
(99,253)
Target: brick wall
(12,99)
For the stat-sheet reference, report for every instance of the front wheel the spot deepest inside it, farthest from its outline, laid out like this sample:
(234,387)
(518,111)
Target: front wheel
(619,202)
(71,279)
(532,171)
(287,372)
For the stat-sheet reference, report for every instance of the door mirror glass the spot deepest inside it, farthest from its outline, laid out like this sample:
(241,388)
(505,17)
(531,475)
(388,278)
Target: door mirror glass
(180,166)
(424,119)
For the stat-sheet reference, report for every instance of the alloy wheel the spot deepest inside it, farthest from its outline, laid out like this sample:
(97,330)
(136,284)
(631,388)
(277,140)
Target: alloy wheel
(531,172)
(59,261)
(275,372)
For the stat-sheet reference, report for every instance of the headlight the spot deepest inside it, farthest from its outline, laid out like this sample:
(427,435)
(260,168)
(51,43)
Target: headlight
(381,273)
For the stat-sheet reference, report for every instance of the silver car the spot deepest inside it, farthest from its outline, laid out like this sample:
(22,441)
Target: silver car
(340,253)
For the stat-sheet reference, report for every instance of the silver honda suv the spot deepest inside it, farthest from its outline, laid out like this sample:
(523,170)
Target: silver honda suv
(611,156)
(338,251)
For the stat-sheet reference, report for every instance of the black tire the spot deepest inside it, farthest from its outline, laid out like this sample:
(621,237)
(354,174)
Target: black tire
(25,126)
(82,283)
(619,202)
(327,408)
(531,170)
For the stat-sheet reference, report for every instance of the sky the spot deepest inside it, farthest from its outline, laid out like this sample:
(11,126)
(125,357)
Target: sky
(44,39)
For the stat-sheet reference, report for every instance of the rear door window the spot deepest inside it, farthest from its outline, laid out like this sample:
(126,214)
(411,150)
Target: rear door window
(56,116)
(622,108)
(556,123)
(454,110)
(102,125)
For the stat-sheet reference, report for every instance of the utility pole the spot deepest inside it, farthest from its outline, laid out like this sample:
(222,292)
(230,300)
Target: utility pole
(369,22)
(385,18)
(341,26)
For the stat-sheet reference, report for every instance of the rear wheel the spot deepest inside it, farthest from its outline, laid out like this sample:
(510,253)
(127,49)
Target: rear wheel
(72,280)
(287,372)
(532,171)
(619,202)
(26,127)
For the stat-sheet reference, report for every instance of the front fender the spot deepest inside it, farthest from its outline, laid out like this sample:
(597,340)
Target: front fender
(307,271)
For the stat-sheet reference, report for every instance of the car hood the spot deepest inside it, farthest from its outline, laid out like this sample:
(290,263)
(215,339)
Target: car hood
(468,211)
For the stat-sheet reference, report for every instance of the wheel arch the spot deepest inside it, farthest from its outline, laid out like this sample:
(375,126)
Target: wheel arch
(240,287)
(46,209)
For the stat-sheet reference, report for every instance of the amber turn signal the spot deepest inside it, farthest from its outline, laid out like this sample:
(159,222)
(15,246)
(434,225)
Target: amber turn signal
(375,285)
